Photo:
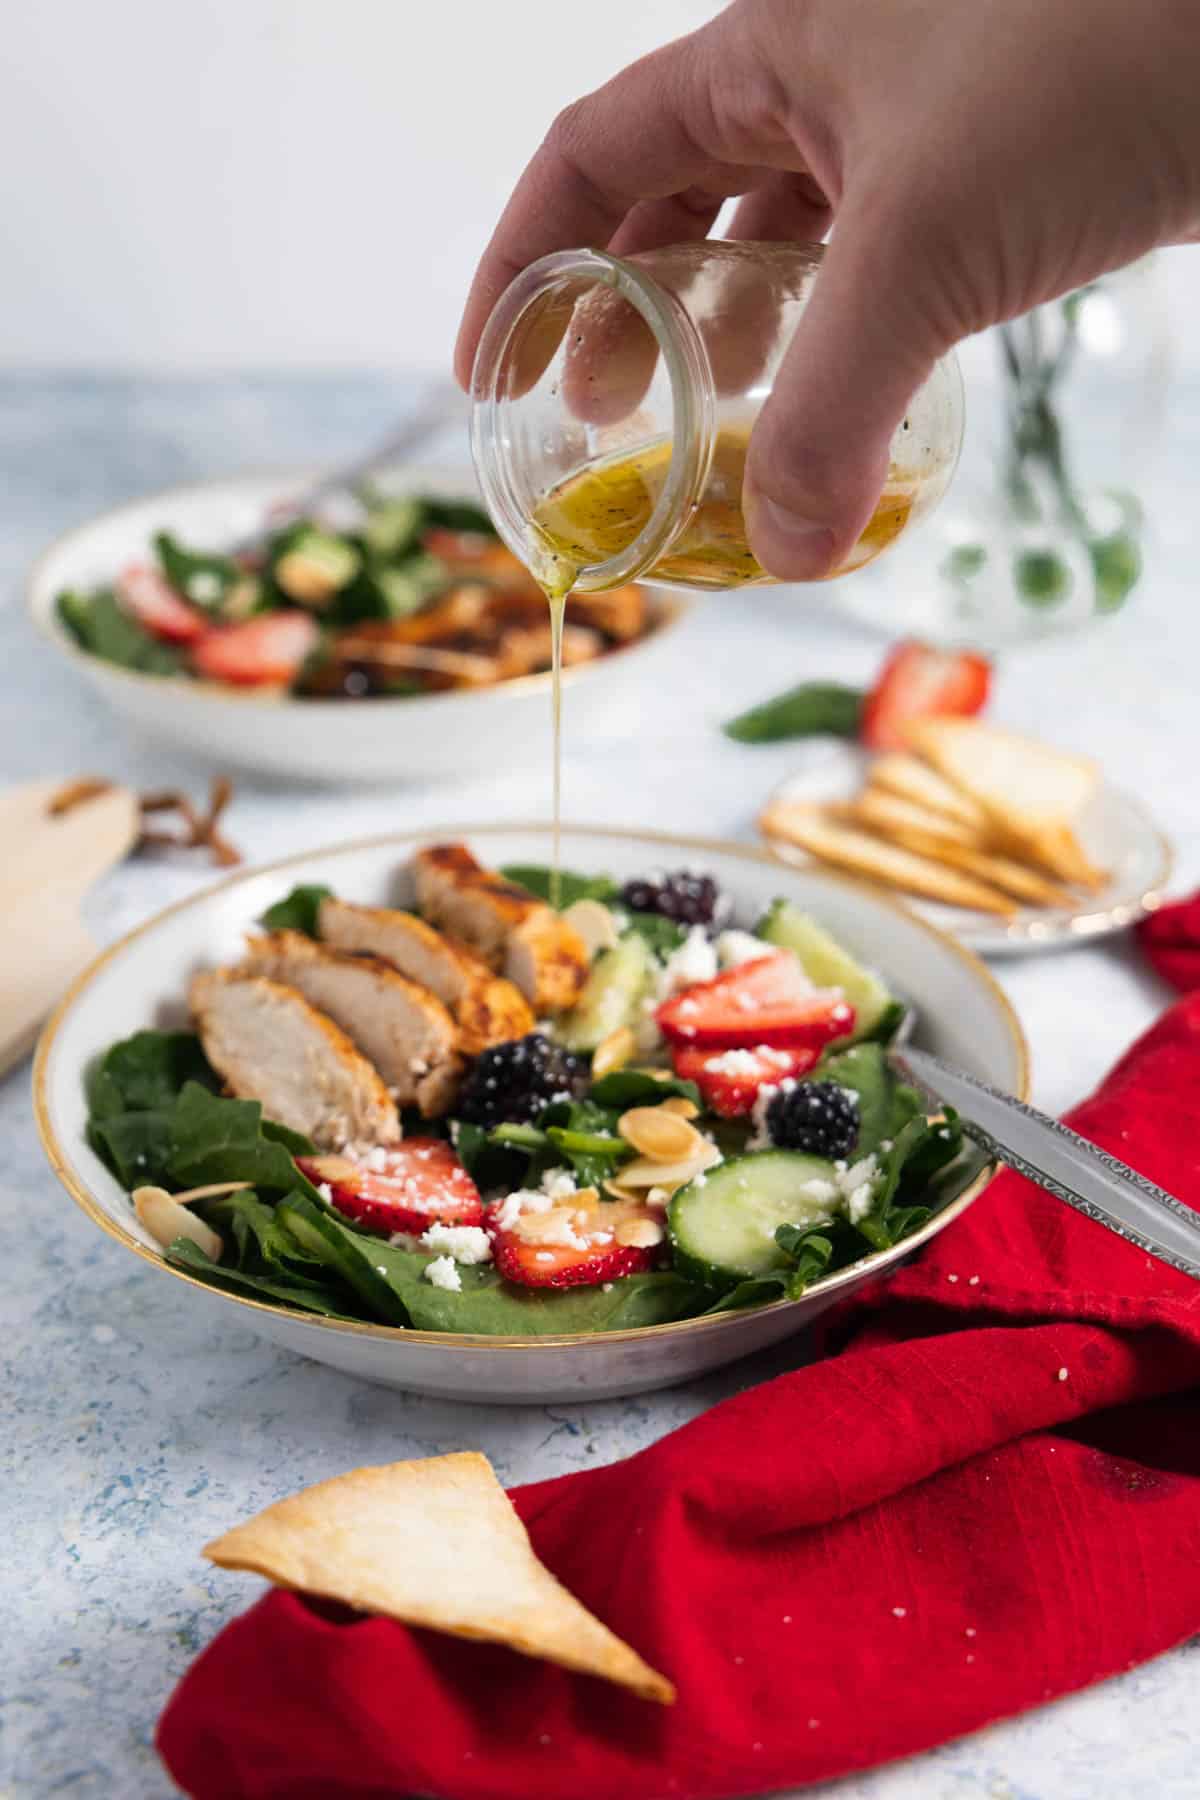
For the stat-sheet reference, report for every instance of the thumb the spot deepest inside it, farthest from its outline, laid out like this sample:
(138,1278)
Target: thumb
(819,452)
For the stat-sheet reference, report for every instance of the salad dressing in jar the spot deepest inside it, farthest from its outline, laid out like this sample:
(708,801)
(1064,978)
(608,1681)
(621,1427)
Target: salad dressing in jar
(613,402)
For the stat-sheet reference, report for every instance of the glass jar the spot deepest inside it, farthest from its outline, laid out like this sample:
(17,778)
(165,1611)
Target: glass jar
(613,400)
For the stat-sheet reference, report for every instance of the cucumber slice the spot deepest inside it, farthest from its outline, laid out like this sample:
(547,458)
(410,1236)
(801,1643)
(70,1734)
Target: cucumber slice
(723,1228)
(612,994)
(826,963)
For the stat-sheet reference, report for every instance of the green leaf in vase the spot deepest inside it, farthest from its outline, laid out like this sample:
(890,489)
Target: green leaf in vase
(1117,565)
(1042,577)
(964,562)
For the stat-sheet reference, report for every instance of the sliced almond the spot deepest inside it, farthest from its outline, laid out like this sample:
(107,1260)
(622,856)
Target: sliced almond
(594,923)
(679,1103)
(214,1191)
(640,1234)
(643,1174)
(613,1052)
(166,1220)
(659,1133)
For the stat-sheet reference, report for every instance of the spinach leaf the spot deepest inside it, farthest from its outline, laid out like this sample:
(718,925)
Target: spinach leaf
(811,1250)
(662,935)
(918,1153)
(100,624)
(212,1139)
(186,1255)
(199,576)
(145,1072)
(624,1088)
(392,525)
(535,878)
(136,1146)
(263,1244)
(457,515)
(298,911)
(885,1105)
(365,1264)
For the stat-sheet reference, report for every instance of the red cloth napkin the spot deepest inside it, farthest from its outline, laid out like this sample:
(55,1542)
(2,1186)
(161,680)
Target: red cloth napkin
(991,1497)
(1170,938)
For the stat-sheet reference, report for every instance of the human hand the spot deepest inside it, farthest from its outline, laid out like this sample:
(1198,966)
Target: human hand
(976,160)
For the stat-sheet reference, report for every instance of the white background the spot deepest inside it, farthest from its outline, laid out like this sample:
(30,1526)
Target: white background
(189,184)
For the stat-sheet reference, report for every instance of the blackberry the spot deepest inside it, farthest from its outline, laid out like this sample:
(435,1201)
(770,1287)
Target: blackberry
(684,896)
(818,1117)
(514,1081)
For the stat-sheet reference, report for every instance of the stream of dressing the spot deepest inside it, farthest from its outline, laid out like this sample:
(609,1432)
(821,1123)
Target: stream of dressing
(556,577)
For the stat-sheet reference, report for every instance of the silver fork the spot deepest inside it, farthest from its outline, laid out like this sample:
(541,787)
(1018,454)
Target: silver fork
(435,410)
(1065,1164)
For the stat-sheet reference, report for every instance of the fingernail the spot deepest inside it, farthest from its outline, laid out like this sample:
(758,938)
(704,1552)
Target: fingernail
(803,548)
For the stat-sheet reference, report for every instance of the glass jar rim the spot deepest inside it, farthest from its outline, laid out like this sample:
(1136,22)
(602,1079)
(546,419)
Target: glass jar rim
(692,406)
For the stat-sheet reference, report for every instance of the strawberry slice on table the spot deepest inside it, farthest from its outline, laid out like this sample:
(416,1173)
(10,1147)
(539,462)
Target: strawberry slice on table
(407,1187)
(767,1001)
(577,1241)
(730,1081)
(149,598)
(267,651)
(919,682)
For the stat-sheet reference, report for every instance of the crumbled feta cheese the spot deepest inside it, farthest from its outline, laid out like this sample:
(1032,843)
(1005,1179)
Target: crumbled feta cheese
(443,1273)
(326,1192)
(695,960)
(823,1192)
(1062,1374)
(558,1183)
(658,1196)
(204,586)
(519,1201)
(857,1187)
(465,1243)
(761,1137)
(375,1160)
(544,1256)
(455,1131)
(746,1003)
(606,1287)
(736,947)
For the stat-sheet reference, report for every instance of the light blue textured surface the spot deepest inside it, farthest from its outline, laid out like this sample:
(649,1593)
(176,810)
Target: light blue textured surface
(135,1426)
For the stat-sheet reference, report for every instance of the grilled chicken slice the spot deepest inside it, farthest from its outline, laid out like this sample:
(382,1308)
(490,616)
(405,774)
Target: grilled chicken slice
(269,1044)
(513,932)
(403,1028)
(487,1008)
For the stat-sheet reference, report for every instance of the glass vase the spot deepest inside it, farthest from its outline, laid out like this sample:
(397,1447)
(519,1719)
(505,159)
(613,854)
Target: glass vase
(1043,530)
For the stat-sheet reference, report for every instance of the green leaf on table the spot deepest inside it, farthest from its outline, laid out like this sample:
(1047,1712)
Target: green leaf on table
(814,708)
(537,878)
(298,911)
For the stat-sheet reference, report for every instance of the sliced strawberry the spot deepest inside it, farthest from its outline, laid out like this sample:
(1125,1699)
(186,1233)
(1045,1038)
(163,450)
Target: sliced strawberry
(919,682)
(149,598)
(767,1001)
(574,1242)
(730,1080)
(417,1184)
(268,650)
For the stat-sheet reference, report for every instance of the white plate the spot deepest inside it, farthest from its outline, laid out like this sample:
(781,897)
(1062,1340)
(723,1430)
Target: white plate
(1115,831)
(392,740)
(962,1016)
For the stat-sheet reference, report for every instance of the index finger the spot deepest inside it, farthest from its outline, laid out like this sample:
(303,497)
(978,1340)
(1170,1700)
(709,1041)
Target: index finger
(650,132)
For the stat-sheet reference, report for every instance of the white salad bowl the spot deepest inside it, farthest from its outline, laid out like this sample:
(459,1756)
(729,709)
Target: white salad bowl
(960,1015)
(418,737)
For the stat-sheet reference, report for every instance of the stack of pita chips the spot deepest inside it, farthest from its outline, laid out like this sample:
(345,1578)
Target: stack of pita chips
(968,815)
